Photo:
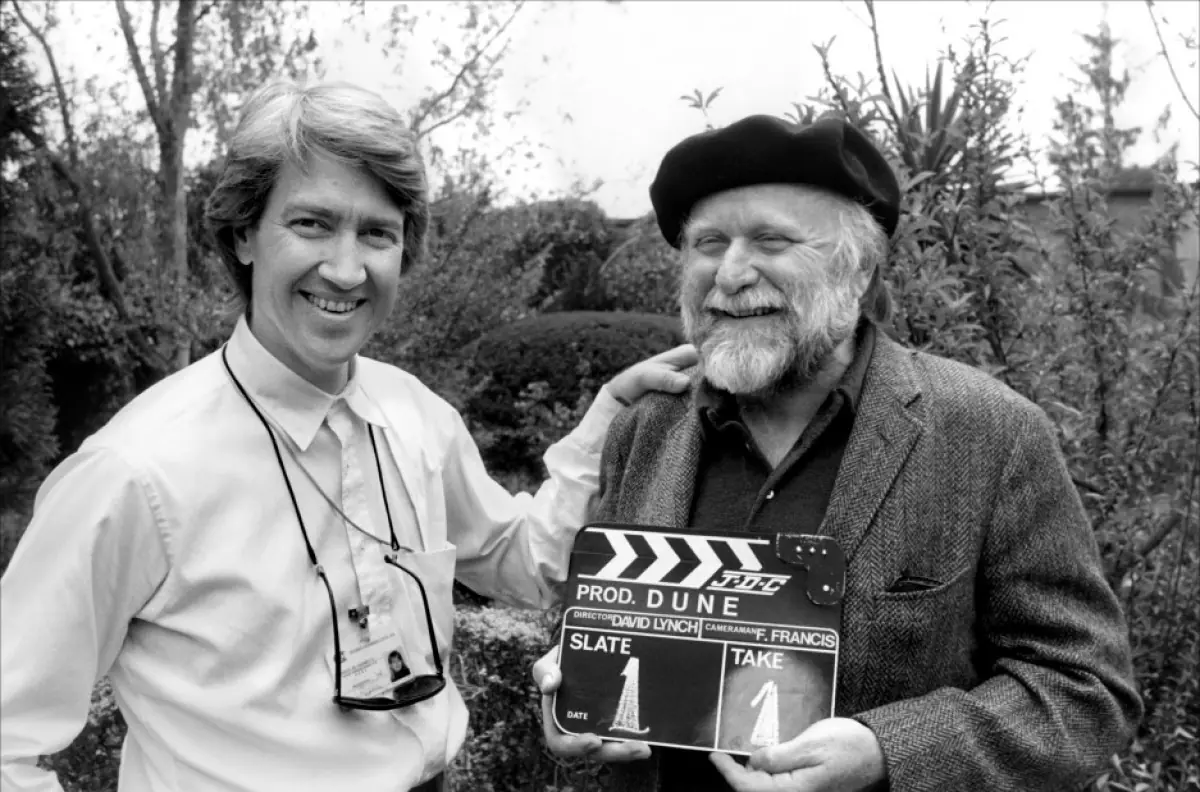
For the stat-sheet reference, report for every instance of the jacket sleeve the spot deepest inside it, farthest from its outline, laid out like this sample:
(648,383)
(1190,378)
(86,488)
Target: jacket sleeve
(613,464)
(90,559)
(1058,697)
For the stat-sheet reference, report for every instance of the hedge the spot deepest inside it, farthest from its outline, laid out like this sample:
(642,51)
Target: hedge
(572,353)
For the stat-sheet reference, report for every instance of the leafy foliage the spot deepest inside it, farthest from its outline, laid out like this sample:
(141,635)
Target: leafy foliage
(28,298)
(541,373)
(641,274)
(1075,312)
(506,751)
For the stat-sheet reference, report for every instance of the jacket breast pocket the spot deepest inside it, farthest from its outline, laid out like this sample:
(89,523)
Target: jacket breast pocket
(923,630)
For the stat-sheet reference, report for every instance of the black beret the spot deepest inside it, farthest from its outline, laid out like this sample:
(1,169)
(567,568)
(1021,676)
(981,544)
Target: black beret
(762,149)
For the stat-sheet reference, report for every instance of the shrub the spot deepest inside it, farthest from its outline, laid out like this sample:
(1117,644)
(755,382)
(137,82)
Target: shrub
(28,444)
(505,751)
(554,362)
(487,267)
(569,239)
(92,762)
(28,286)
(642,272)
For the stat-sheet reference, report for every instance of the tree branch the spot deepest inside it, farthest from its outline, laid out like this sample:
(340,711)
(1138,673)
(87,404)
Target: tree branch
(1167,58)
(883,83)
(181,87)
(441,122)
(156,54)
(170,50)
(139,68)
(1165,528)
(1161,393)
(59,90)
(110,287)
(421,116)
(205,10)
(822,51)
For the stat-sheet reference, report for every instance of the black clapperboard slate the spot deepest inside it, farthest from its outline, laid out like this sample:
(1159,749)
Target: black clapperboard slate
(703,640)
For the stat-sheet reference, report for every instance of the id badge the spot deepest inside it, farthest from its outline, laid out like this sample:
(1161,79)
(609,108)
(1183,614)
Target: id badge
(374,660)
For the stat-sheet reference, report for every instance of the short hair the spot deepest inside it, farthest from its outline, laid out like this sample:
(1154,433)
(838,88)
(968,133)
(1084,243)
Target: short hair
(284,123)
(861,244)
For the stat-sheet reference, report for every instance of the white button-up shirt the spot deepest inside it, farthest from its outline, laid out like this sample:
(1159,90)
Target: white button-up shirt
(166,554)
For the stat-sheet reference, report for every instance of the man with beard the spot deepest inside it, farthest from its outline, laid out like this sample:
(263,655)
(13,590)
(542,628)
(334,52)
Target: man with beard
(981,646)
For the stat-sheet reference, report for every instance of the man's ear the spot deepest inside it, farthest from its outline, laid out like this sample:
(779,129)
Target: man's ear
(241,244)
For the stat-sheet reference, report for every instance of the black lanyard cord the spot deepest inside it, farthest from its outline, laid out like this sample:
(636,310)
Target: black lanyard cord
(312,554)
(383,491)
(394,541)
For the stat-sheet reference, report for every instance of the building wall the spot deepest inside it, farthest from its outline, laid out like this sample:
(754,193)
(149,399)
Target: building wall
(1127,210)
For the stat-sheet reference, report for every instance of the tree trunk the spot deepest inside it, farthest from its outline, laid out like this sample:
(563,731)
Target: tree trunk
(171,152)
(176,239)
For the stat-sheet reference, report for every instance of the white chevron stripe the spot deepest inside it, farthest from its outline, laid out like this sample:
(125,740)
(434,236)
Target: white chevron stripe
(625,555)
(745,555)
(709,563)
(666,559)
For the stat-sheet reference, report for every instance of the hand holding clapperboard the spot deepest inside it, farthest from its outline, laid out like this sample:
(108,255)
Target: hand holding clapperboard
(704,640)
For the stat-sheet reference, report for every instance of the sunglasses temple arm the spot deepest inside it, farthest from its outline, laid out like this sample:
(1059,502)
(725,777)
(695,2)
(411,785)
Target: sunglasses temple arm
(337,641)
(437,657)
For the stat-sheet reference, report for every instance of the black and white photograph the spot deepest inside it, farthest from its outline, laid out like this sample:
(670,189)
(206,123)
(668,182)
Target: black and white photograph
(600,395)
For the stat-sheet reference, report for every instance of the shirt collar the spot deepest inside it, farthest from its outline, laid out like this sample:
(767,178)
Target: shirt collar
(293,403)
(719,408)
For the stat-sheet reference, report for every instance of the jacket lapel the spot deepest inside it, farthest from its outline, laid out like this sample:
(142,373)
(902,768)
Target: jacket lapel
(885,432)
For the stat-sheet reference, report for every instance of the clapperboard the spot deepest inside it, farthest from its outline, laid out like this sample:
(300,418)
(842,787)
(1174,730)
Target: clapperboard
(702,640)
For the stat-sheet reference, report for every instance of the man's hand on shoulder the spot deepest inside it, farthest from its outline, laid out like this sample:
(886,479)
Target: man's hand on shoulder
(663,372)
(833,755)
(548,677)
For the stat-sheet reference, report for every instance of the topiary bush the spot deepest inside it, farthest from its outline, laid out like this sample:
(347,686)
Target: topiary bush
(551,363)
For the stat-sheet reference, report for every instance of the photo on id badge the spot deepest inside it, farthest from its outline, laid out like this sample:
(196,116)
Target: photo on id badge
(375,659)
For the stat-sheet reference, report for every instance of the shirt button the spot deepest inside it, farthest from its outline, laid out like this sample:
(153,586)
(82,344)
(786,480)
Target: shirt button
(770,494)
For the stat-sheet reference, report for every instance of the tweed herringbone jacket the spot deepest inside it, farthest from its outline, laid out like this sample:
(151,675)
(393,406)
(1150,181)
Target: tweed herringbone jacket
(1013,672)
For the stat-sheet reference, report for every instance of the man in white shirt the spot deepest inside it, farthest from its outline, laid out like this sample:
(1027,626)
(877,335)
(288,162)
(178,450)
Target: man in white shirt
(243,547)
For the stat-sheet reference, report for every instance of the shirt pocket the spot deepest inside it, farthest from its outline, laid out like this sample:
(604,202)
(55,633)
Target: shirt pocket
(431,601)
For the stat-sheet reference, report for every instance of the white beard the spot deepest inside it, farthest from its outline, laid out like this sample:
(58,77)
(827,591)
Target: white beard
(788,350)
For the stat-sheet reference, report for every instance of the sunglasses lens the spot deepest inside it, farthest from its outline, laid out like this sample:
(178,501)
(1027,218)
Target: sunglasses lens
(415,691)
(419,689)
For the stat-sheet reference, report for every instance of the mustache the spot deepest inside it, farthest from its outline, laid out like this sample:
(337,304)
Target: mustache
(744,303)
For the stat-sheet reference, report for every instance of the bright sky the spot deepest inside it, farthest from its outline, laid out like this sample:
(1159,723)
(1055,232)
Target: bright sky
(601,81)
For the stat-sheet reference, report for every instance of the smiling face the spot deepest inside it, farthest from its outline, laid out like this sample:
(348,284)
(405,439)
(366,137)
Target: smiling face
(326,257)
(765,295)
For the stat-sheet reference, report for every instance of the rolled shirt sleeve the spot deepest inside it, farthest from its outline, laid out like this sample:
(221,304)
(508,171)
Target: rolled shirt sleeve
(516,548)
(90,559)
